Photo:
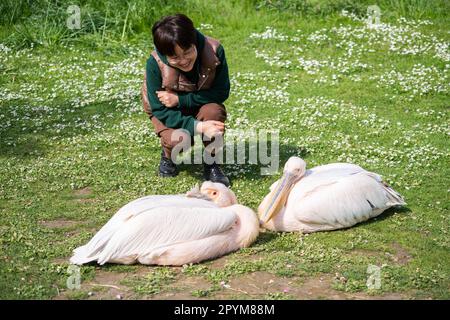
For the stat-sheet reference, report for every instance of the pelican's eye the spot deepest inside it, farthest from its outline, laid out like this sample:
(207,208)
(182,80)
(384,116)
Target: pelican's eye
(211,193)
(298,170)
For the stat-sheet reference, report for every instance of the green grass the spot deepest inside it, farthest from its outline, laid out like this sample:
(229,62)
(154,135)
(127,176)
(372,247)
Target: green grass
(75,144)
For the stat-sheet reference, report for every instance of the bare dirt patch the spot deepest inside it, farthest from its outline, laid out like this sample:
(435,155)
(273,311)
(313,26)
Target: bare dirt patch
(219,263)
(105,286)
(58,223)
(401,255)
(83,195)
(182,289)
(82,192)
(258,284)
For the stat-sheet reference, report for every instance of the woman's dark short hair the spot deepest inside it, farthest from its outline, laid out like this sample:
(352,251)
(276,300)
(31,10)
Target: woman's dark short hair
(173,30)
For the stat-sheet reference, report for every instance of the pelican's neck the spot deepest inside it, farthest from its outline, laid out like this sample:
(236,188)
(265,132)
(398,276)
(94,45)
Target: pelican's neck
(248,225)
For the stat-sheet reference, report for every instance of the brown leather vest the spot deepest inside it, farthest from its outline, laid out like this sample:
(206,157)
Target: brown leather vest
(173,79)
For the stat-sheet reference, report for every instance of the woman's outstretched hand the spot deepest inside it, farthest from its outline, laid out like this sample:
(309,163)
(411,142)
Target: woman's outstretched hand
(168,98)
(210,128)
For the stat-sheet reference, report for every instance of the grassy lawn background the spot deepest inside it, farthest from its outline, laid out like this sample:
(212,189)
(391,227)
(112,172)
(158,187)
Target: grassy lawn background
(75,144)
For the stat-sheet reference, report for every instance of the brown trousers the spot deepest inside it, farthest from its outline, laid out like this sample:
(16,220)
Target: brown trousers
(210,111)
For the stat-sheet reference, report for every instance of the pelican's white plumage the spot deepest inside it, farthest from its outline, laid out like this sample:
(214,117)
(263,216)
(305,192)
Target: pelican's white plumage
(172,230)
(328,197)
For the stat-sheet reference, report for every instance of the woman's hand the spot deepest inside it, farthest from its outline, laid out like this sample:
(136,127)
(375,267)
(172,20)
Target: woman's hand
(168,98)
(210,128)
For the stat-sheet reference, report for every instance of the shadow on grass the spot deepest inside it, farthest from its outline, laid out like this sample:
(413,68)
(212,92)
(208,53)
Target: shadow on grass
(264,238)
(250,171)
(387,214)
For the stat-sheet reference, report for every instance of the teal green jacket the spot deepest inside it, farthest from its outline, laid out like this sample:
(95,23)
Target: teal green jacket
(217,93)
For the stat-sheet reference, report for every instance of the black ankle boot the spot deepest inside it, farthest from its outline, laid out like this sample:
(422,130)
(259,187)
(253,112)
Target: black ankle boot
(166,167)
(212,172)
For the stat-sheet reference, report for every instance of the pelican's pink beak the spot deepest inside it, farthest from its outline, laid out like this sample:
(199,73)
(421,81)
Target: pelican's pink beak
(277,197)
(294,170)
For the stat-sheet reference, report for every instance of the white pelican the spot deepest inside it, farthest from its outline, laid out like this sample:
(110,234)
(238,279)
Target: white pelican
(173,229)
(328,197)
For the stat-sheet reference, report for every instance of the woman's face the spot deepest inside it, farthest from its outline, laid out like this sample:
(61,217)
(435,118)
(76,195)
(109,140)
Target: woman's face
(183,59)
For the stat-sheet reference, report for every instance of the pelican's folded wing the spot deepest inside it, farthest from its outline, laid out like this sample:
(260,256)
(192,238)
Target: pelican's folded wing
(343,202)
(147,233)
(139,206)
(319,177)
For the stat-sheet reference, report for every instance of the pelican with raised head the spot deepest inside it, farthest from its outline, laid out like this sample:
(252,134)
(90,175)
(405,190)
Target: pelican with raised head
(173,229)
(328,197)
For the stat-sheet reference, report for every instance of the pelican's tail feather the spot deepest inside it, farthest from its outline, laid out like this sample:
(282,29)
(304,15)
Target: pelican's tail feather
(81,256)
(395,199)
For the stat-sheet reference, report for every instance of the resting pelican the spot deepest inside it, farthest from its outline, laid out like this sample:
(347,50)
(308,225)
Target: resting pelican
(328,197)
(173,229)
